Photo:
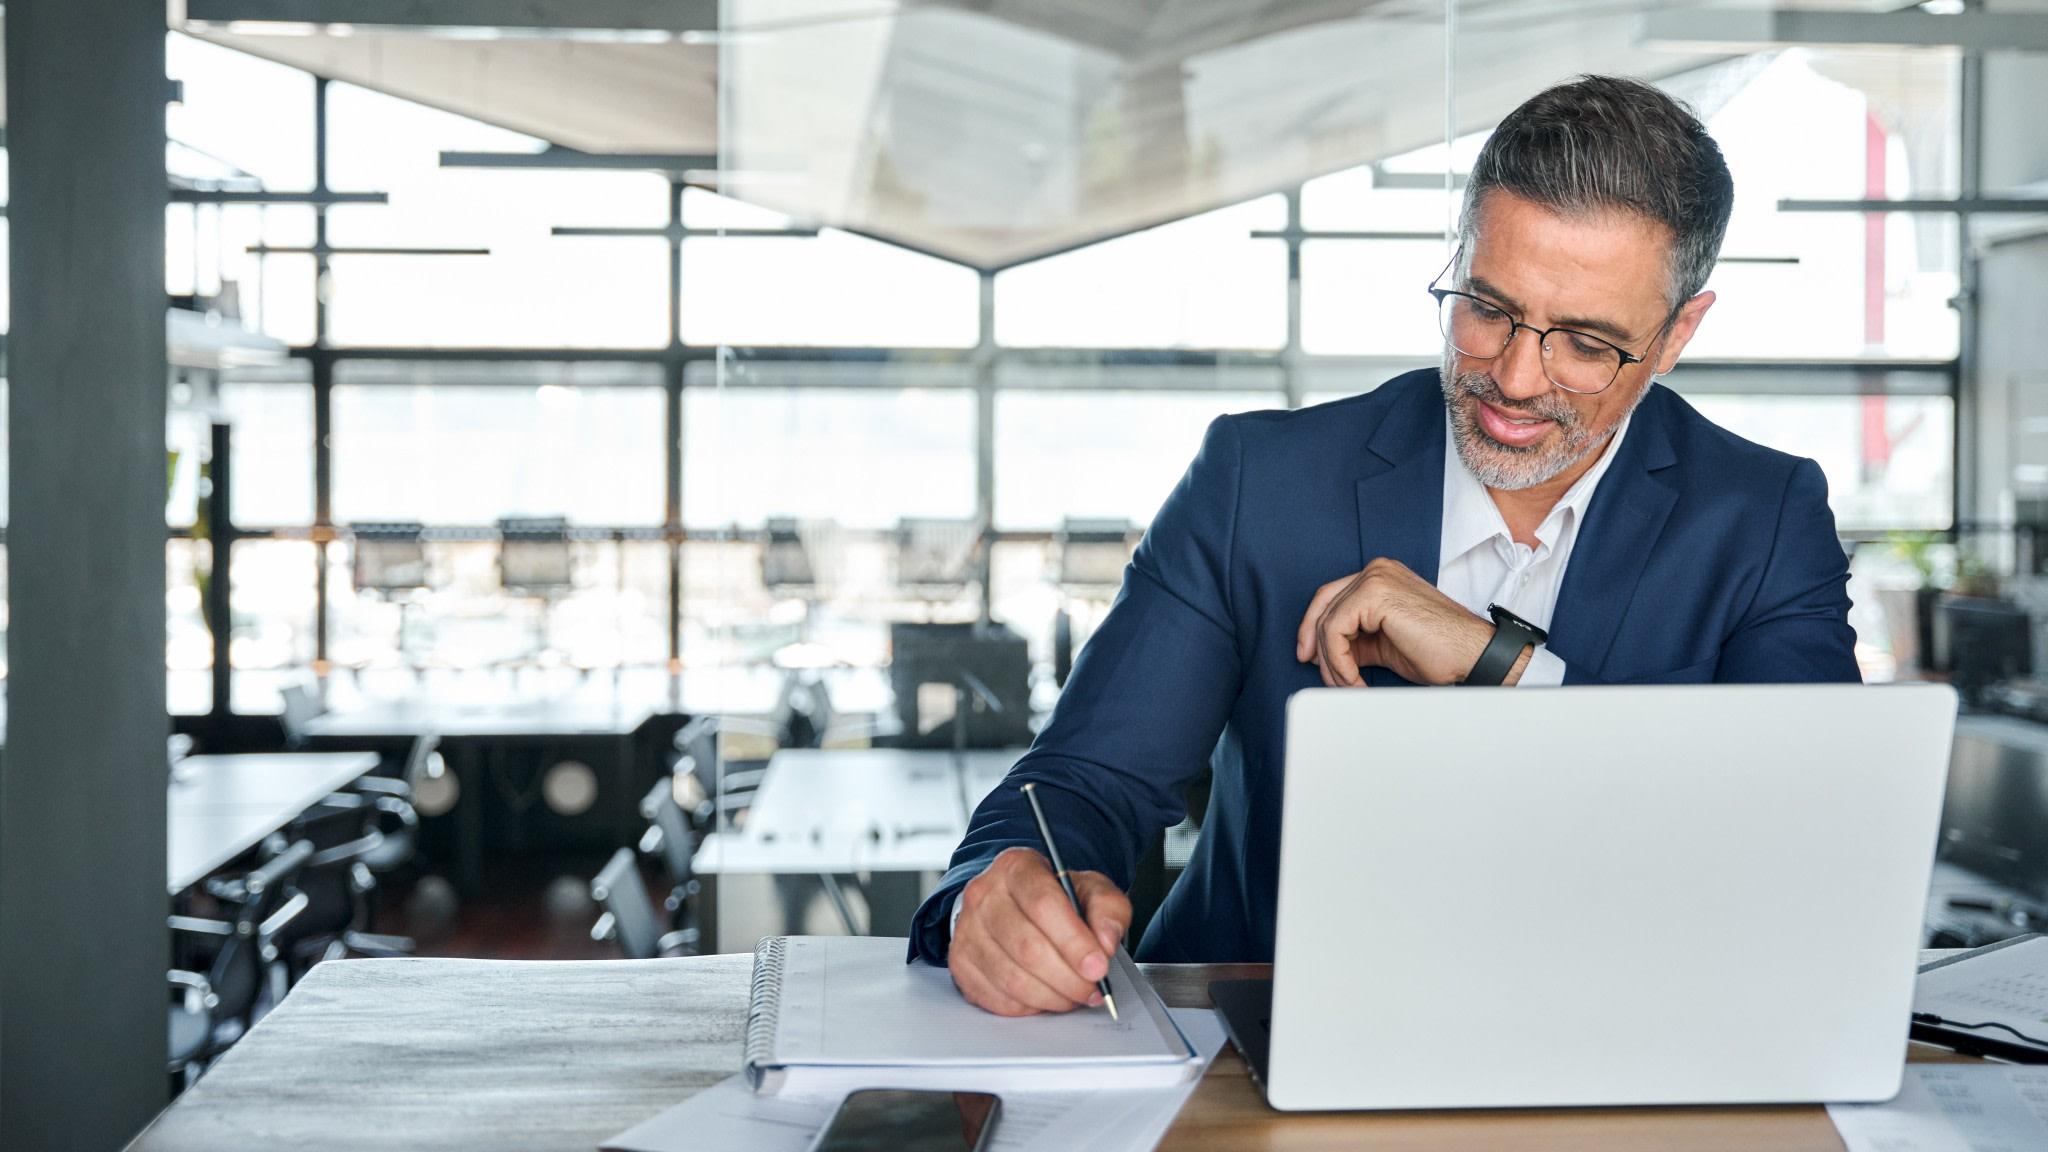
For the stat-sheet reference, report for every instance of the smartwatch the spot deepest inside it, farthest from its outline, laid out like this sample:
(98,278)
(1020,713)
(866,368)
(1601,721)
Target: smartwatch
(1511,634)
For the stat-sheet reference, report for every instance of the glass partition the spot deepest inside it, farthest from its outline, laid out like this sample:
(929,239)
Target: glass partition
(822,354)
(1124,209)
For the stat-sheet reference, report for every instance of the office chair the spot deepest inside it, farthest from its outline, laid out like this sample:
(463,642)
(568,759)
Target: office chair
(210,1011)
(628,914)
(389,560)
(535,562)
(388,557)
(722,797)
(935,558)
(392,799)
(786,568)
(337,883)
(1091,557)
(1093,552)
(301,707)
(670,840)
(534,558)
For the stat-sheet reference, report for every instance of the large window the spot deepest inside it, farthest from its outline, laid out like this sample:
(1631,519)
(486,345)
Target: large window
(531,288)
(1203,282)
(838,378)
(243,113)
(1889,460)
(471,453)
(1104,455)
(861,458)
(1367,297)
(834,288)
(271,425)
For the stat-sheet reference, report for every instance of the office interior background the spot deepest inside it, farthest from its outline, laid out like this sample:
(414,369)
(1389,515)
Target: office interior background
(580,411)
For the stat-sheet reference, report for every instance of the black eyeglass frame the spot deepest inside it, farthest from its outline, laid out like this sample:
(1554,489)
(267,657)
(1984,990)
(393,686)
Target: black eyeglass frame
(1515,327)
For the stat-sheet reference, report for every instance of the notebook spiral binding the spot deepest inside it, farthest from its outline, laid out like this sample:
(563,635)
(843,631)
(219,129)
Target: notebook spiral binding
(764,1005)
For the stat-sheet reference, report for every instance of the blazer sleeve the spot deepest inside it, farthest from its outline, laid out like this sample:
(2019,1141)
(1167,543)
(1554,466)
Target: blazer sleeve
(1797,628)
(1142,710)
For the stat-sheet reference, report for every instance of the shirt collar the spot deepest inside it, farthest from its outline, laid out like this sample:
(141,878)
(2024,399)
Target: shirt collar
(1471,518)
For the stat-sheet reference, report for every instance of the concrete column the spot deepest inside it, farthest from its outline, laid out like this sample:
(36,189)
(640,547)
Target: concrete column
(84,947)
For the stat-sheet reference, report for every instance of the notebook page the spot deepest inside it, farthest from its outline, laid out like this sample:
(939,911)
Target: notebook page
(852,1000)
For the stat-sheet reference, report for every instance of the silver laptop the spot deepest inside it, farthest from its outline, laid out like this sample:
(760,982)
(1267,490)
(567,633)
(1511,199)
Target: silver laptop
(1497,898)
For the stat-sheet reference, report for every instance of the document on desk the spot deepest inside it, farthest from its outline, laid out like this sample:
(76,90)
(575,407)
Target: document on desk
(828,1013)
(730,1117)
(1953,1108)
(2005,984)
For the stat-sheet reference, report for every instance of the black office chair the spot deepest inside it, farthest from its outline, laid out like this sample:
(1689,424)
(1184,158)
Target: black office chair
(629,915)
(337,884)
(670,840)
(210,1011)
(392,799)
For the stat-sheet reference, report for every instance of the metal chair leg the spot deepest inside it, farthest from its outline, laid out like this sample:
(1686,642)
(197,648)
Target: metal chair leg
(838,898)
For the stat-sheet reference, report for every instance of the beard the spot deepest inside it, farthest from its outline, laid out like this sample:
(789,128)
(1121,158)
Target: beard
(1508,467)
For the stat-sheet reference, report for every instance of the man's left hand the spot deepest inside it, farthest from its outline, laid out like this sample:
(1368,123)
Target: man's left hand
(1388,617)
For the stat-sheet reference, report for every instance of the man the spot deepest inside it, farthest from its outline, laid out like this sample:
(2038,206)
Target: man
(1365,542)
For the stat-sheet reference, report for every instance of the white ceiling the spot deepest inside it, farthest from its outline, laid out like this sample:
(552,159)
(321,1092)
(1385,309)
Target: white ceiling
(996,131)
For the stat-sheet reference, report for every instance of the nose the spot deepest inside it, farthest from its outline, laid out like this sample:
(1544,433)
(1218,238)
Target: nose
(1519,368)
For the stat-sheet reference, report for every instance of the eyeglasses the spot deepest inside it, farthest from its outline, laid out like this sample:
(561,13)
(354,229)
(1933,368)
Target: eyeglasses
(1574,361)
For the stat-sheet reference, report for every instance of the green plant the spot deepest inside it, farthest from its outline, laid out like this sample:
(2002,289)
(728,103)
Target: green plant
(1919,550)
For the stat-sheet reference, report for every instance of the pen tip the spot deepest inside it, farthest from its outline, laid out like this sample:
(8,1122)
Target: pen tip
(1110,1003)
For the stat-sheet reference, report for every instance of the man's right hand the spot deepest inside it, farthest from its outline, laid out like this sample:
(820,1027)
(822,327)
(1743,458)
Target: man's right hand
(1018,948)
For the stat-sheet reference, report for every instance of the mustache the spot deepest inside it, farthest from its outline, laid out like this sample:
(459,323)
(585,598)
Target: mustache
(1483,387)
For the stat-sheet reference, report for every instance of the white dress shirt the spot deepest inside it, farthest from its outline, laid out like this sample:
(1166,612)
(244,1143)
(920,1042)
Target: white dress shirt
(1481,564)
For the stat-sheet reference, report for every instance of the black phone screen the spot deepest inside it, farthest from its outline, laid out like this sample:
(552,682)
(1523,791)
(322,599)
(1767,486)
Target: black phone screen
(896,1120)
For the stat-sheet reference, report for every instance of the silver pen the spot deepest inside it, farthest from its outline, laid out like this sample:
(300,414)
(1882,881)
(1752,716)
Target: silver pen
(1053,850)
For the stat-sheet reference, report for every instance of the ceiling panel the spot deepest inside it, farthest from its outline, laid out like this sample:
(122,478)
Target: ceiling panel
(996,131)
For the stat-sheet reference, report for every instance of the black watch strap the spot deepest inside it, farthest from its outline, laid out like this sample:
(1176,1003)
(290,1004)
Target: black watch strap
(1511,634)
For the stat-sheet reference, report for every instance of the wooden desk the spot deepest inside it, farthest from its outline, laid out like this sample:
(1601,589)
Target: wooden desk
(424,1055)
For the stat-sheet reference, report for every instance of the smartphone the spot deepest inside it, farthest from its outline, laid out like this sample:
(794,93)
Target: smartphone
(901,1120)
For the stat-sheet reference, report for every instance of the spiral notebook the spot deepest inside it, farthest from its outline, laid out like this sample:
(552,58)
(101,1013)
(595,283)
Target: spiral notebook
(834,1013)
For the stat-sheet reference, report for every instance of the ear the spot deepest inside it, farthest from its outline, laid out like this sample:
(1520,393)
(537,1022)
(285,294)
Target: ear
(1682,328)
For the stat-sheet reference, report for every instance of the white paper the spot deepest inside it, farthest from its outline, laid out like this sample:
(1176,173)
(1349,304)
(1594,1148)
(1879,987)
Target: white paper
(1953,1108)
(2009,986)
(729,1117)
(852,1000)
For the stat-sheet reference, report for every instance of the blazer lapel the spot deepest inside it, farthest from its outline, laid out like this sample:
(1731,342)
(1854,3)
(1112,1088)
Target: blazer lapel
(1622,525)
(1401,497)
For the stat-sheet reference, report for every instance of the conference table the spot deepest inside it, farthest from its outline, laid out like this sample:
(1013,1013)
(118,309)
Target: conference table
(431,1055)
(890,814)
(476,734)
(221,806)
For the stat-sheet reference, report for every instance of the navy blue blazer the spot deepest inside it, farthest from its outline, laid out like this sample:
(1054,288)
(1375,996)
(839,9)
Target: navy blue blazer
(1703,557)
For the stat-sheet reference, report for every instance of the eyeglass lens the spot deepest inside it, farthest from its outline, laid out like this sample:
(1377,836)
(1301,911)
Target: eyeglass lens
(1573,362)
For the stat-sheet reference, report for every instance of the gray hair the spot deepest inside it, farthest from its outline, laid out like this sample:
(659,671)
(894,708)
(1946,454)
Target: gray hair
(1613,143)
